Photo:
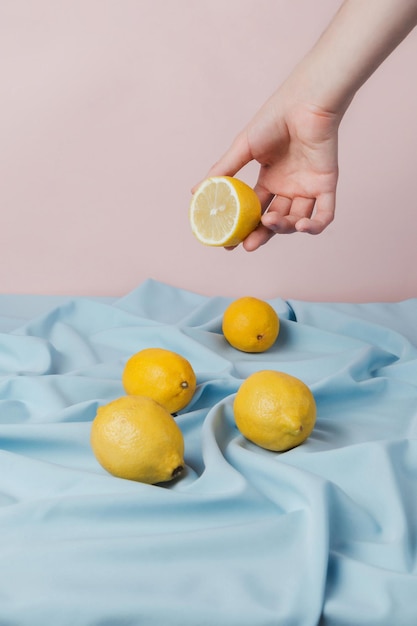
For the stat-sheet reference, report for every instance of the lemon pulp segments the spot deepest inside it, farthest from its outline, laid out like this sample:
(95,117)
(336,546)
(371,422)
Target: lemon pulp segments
(214,212)
(223,211)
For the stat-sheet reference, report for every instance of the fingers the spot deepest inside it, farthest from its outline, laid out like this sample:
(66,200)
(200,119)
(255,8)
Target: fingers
(324,215)
(257,238)
(236,157)
(264,195)
(305,215)
(284,213)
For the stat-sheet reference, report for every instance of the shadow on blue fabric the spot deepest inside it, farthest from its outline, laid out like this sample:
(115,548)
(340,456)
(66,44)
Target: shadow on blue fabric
(324,534)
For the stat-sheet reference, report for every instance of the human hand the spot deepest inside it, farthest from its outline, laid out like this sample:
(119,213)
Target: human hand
(295,143)
(293,137)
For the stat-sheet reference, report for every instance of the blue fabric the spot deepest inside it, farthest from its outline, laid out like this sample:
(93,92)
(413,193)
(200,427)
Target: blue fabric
(323,534)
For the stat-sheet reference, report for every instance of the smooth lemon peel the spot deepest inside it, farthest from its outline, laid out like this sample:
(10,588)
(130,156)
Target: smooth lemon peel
(161,374)
(274,410)
(250,324)
(135,438)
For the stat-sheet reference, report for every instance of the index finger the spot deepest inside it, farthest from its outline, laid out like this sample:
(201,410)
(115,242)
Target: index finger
(236,157)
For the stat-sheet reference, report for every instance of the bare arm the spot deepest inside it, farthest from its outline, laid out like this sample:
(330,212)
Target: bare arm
(358,39)
(294,134)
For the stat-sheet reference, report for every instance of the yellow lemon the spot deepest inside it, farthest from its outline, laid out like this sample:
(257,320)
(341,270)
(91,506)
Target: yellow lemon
(161,374)
(274,410)
(223,211)
(250,325)
(134,437)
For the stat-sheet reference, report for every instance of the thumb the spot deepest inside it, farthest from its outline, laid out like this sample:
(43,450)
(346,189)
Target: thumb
(236,157)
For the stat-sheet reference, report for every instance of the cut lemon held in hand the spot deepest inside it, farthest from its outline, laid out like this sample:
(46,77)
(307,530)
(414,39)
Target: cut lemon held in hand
(274,410)
(250,325)
(223,211)
(135,438)
(163,375)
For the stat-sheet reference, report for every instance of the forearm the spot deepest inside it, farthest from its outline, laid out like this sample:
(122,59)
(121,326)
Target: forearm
(359,38)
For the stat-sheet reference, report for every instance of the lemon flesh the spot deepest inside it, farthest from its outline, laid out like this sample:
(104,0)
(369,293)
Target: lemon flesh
(135,438)
(274,410)
(223,211)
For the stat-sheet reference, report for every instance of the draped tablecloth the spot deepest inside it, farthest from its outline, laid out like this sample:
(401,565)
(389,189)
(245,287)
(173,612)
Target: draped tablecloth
(324,534)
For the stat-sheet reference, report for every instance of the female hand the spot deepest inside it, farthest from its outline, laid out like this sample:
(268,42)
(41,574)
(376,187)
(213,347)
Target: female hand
(294,135)
(295,144)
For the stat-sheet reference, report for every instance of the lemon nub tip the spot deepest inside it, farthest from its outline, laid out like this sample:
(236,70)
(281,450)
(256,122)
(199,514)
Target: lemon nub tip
(177,471)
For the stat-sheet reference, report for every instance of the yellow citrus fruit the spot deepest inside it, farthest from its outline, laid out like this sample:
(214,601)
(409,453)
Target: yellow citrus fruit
(250,325)
(161,374)
(223,211)
(274,410)
(134,437)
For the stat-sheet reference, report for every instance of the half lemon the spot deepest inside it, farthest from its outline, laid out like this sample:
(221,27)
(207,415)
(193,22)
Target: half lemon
(223,211)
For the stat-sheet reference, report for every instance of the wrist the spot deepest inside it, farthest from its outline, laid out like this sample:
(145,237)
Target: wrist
(312,85)
(361,35)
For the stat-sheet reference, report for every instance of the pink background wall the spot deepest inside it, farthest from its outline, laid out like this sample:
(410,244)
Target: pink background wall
(113,109)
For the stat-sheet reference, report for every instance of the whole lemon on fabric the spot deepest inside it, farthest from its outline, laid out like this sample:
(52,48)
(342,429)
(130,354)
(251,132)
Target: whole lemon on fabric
(223,211)
(135,438)
(274,410)
(161,374)
(250,324)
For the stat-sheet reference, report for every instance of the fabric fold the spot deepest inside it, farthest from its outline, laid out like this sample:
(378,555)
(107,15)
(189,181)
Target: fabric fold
(323,534)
